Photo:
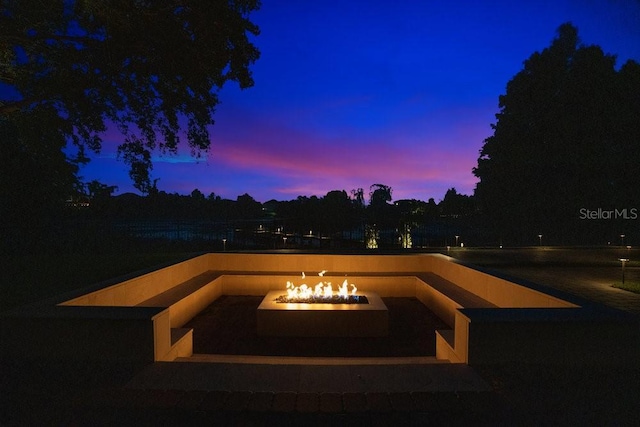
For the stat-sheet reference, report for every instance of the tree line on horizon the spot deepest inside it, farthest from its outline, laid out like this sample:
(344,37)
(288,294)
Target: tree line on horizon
(330,214)
(566,141)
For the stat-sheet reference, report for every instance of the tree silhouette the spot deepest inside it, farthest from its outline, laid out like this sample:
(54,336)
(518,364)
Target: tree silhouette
(337,212)
(357,195)
(456,205)
(379,195)
(152,69)
(247,207)
(564,140)
(29,204)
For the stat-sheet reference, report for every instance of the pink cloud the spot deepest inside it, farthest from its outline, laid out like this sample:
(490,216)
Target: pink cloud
(270,157)
(318,164)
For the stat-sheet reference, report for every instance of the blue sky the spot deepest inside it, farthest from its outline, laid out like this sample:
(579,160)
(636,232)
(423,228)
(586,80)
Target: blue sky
(352,93)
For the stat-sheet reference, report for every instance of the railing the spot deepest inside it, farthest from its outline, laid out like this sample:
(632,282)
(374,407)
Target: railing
(214,235)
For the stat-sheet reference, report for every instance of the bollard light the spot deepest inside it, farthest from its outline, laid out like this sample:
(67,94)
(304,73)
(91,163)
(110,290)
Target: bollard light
(624,262)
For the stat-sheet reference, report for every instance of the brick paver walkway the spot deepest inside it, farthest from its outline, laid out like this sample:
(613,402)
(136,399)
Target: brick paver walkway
(586,273)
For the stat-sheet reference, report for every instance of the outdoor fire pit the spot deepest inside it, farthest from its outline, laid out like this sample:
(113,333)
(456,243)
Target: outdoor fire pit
(302,311)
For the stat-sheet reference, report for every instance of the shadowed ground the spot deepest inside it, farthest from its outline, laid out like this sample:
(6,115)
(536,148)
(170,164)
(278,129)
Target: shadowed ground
(228,326)
(585,272)
(89,393)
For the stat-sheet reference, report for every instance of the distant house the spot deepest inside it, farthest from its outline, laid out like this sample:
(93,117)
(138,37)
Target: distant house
(78,202)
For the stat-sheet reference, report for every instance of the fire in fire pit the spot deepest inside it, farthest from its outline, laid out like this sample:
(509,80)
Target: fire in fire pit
(322,293)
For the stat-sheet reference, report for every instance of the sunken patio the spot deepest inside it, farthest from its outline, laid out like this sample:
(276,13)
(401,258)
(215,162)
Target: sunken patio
(456,313)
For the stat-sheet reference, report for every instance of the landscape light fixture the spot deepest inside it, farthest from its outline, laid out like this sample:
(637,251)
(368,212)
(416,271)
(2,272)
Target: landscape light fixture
(624,262)
(224,245)
(540,239)
(622,239)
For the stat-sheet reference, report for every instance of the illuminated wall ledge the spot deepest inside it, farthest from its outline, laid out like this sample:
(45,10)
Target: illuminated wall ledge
(491,319)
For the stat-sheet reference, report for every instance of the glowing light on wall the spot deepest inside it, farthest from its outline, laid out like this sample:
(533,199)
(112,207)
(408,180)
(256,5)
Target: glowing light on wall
(406,237)
(371,237)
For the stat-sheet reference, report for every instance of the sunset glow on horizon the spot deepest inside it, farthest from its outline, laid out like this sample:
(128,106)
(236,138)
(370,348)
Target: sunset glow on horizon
(350,94)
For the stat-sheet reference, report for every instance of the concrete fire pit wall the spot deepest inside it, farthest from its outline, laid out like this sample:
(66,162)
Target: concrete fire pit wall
(500,292)
(256,274)
(259,285)
(133,291)
(311,264)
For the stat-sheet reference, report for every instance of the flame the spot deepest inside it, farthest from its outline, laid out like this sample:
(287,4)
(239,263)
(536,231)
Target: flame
(322,290)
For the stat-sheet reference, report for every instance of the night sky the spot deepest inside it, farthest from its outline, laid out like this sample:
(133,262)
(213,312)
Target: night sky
(352,93)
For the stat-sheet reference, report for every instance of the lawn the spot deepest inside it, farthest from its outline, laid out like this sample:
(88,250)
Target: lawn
(632,286)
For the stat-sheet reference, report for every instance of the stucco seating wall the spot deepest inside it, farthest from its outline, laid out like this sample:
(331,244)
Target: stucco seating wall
(490,318)
(181,291)
(132,291)
(445,298)
(187,299)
